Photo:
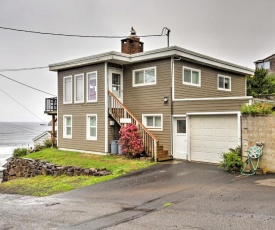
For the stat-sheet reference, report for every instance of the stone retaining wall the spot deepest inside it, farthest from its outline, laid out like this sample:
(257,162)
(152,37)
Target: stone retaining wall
(260,129)
(19,167)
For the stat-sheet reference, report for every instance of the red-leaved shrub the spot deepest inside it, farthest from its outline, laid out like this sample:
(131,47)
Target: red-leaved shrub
(130,140)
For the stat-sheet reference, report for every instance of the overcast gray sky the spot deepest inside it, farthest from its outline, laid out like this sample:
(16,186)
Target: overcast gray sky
(238,31)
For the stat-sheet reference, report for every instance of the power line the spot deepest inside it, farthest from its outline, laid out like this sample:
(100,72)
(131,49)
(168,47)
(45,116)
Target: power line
(27,85)
(22,69)
(21,105)
(77,35)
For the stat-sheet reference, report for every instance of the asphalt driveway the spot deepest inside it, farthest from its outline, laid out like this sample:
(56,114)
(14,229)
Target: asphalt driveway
(171,195)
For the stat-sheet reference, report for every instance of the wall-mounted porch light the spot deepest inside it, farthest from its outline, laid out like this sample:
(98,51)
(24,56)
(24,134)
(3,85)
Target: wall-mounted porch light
(165,100)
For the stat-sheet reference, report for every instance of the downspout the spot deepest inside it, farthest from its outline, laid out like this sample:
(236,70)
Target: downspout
(171,107)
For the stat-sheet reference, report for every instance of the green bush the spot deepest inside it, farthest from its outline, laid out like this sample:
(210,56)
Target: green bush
(256,109)
(232,161)
(48,143)
(20,152)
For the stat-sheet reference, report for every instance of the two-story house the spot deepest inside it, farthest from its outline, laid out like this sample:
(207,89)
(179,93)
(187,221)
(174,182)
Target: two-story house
(267,63)
(185,104)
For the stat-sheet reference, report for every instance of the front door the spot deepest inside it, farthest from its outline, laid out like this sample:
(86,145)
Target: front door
(116,84)
(180,140)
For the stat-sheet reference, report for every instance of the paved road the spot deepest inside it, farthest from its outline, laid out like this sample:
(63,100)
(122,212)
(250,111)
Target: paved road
(196,196)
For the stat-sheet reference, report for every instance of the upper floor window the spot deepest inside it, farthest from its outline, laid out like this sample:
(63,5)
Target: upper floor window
(224,83)
(92,87)
(67,126)
(145,76)
(67,89)
(191,76)
(264,65)
(91,132)
(79,88)
(152,121)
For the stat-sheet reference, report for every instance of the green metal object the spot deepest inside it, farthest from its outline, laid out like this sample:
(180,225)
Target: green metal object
(255,154)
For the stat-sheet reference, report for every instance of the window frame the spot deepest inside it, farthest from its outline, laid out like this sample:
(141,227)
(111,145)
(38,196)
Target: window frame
(224,77)
(88,137)
(143,84)
(153,128)
(65,135)
(64,94)
(75,87)
(190,83)
(87,87)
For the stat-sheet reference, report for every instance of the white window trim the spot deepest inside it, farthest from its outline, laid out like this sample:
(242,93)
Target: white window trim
(77,75)
(64,127)
(144,122)
(88,137)
(223,89)
(68,102)
(87,86)
(188,83)
(144,84)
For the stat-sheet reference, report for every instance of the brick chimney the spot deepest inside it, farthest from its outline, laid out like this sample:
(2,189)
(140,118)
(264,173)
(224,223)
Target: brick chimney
(131,45)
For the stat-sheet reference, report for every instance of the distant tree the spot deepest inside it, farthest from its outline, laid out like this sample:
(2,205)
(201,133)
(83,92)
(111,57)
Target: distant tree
(261,83)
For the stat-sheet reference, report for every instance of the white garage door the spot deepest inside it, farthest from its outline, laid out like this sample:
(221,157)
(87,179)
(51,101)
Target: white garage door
(211,135)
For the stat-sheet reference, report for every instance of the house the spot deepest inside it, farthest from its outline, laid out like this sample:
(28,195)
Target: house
(41,138)
(185,104)
(267,63)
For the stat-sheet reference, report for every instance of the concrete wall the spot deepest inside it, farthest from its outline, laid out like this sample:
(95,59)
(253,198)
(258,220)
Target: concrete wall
(260,129)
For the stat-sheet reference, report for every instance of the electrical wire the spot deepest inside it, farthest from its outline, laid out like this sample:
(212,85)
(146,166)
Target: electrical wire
(77,35)
(27,85)
(22,105)
(22,69)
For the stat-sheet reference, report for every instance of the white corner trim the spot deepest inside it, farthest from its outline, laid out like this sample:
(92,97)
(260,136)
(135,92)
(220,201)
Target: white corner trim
(215,98)
(106,106)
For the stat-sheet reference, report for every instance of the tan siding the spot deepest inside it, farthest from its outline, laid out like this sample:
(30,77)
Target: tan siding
(183,107)
(209,82)
(79,111)
(149,99)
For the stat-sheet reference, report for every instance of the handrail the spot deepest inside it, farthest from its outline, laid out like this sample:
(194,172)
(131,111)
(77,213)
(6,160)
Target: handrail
(137,120)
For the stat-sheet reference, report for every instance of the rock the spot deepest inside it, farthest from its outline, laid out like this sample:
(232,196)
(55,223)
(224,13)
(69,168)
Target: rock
(12,172)
(104,173)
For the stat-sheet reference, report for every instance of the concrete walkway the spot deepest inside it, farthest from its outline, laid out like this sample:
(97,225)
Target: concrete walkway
(178,195)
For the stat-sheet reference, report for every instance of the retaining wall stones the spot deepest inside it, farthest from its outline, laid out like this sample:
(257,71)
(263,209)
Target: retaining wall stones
(23,167)
(260,129)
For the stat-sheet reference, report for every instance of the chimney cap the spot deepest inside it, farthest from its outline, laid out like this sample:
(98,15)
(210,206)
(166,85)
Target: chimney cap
(133,32)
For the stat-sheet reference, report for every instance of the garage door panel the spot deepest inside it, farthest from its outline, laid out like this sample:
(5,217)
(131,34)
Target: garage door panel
(212,135)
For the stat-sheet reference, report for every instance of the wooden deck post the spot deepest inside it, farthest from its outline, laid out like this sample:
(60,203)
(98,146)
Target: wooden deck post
(53,131)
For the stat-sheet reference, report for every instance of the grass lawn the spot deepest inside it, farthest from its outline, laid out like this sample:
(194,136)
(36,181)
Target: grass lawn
(48,185)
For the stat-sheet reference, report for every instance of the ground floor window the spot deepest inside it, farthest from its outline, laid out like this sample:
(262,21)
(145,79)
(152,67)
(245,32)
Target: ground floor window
(67,126)
(91,131)
(152,121)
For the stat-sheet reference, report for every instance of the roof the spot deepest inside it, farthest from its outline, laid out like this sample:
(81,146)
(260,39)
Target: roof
(48,133)
(173,51)
(265,59)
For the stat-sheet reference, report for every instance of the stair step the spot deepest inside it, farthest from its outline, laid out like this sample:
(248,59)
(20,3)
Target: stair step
(165,158)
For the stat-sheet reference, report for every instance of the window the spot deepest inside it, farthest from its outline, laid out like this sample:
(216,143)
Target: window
(224,83)
(264,65)
(181,126)
(67,126)
(152,121)
(92,87)
(79,88)
(191,76)
(143,77)
(91,132)
(67,90)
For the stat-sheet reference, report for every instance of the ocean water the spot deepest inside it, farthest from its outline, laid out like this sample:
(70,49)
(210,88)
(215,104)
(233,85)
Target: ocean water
(18,134)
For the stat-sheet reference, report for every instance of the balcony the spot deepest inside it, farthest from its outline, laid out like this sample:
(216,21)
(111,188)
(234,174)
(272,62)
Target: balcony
(51,106)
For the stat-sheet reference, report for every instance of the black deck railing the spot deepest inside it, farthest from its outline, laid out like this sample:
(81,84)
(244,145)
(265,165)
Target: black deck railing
(50,104)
